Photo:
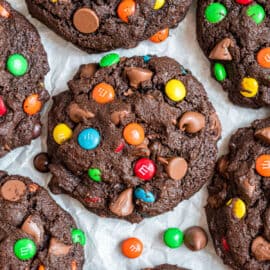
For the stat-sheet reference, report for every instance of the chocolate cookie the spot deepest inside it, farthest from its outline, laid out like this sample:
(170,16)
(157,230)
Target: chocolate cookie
(235,36)
(133,139)
(35,233)
(238,205)
(166,267)
(99,25)
(23,65)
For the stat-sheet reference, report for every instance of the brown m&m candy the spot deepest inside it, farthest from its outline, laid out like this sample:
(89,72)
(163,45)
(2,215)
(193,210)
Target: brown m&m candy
(86,20)
(195,238)
(13,190)
(41,162)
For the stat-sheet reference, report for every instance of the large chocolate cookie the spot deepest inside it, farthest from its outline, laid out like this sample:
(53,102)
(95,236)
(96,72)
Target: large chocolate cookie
(101,25)
(166,267)
(238,205)
(235,36)
(35,233)
(133,139)
(23,65)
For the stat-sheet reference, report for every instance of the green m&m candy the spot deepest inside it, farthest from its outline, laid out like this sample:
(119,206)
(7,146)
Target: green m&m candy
(109,60)
(173,237)
(78,236)
(256,12)
(17,64)
(95,174)
(215,12)
(220,72)
(25,249)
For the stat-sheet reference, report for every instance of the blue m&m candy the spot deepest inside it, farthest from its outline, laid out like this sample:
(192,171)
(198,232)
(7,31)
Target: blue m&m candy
(89,139)
(145,196)
(146,58)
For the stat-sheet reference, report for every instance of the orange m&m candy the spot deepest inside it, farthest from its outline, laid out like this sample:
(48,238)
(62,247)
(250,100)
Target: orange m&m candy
(132,248)
(32,104)
(41,267)
(160,36)
(3,12)
(73,265)
(126,9)
(134,134)
(263,165)
(263,57)
(103,93)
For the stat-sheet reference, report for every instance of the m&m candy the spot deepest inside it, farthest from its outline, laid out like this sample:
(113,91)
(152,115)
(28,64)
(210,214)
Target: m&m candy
(32,104)
(263,165)
(3,108)
(175,90)
(125,9)
(25,249)
(95,174)
(256,12)
(109,60)
(78,236)
(159,4)
(160,36)
(263,57)
(244,2)
(17,64)
(145,196)
(103,93)
(3,12)
(215,12)
(250,87)
(145,169)
(132,248)
(89,139)
(62,133)
(220,72)
(173,237)
(134,134)
(238,207)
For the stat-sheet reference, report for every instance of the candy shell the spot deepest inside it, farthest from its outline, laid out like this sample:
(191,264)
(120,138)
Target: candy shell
(32,104)
(173,237)
(132,248)
(25,249)
(134,134)
(175,90)
(17,65)
(89,139)
(215,12)
(145,196)
(62,133)
(160,36)
(109,60)
(125,9)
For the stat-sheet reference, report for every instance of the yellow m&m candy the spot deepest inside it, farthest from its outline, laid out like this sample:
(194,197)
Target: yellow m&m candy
(238,207)
(250,87)
(175,90)
(159,4)
(62,133)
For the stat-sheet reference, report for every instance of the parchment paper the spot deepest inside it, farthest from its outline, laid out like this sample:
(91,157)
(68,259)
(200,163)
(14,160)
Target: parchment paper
(104,235)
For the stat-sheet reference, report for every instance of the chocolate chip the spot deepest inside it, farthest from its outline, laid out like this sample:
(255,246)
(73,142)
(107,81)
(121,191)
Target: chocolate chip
(221,51)
(261,249)
(177,168)
(142,150)
(41,162)
(118,116)
(87,71)
(195,238)
(222,165)
(263,134)
(13,190)
(123,206)
(36,130)
(86,20)
(138,75)
(215,126)
(32,226)
(58,248)
(192,122)
(78,114)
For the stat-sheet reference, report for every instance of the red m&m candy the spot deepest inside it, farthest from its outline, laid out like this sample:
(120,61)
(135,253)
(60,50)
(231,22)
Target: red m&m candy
(244,2)
(3,109)
(145,169)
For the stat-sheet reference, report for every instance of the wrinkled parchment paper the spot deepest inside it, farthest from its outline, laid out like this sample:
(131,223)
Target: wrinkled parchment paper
(104,235)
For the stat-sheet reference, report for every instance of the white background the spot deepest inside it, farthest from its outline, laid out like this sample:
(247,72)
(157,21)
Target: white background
(105,235)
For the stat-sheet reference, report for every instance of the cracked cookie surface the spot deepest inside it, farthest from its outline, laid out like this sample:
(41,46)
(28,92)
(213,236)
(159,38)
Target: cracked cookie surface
(23,65)
(235,36)
(238,205)
(120,145)
(35,233)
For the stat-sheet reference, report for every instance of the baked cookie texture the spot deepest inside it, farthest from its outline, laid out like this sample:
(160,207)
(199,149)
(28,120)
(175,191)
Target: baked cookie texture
(234,35)
(35,233)
(98,26)
(238,204)
(122,147)
(23,65)
(166,267)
